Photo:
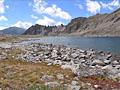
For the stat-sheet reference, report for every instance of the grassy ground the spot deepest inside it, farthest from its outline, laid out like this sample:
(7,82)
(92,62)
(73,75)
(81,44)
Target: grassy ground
(19,75)
(9,38)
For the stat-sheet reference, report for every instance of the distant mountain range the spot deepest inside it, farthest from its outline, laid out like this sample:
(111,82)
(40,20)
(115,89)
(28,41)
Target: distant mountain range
(12,31)
(97,25)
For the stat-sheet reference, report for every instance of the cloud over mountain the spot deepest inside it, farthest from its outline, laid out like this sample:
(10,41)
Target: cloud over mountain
(42,7)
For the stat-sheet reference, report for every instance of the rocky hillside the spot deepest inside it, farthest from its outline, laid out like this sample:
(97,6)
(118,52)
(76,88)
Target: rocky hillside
(45,30)
(97,25)
(12,31)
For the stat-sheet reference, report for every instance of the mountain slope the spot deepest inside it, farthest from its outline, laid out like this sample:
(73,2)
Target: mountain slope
(13,31)
(44,30)
(97,25)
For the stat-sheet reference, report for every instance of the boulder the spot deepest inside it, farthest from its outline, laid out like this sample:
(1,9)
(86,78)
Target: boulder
(107,67)
(74,55)
(66,66)
(107,61)
(115,63)
(98,62)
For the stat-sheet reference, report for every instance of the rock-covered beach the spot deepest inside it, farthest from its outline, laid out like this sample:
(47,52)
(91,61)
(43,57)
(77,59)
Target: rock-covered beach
(81,62)
(101,69)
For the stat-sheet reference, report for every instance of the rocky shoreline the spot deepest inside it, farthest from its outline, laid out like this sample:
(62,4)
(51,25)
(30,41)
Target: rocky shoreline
(81,62)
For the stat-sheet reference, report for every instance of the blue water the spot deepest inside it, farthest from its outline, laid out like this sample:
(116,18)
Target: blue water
(111,44)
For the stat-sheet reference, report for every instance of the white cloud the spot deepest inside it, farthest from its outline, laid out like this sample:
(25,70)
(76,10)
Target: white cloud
(34,17)
(47,21)
(93,6)
(114,3)
(22,24)
(40,6)
(2,9)
(3,18)
(1,27)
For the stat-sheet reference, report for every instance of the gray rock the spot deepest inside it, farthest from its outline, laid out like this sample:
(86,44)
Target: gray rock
(117,67)
(74,83)
(82,61)
(49,64)
(60,76)
(87,71)
(82,55)
(52,84)
(47,53)
(109,56)
(57,62)
(74,55)
(107,61)
(115,63)
(74,87)
(47,78)
(107,67)
(98,62)
(118,75)
(66,66)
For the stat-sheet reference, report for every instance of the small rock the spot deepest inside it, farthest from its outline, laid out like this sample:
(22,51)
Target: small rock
(74,87)
(82,61)
(49,64)
(97,86)
(60,76)
(76,78)
(82,56)
(74,82)
(109,56)
(58,62)
(46,53)
(47,78)
(66,67)
(52,84)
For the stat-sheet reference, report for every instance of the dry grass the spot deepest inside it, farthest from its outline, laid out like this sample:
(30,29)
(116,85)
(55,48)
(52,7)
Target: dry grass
(19,74)
(18,38)
(8,38)
(103,82)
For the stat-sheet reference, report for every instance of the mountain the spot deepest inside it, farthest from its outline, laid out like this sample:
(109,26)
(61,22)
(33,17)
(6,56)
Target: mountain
(12,31)
(97,25)
(45,30)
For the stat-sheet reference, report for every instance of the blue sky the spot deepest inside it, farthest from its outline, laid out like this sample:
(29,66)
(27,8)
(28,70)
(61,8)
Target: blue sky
(24,13)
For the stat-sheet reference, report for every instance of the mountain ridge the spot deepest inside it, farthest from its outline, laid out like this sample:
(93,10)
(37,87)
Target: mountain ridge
(97,25)
(12,31)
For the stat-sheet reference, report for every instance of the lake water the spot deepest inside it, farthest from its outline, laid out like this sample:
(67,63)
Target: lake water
(111,44)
